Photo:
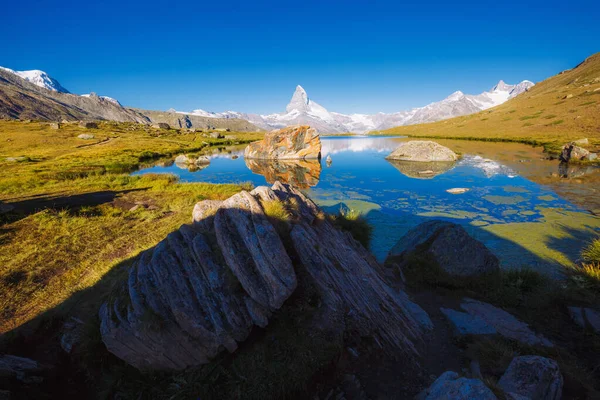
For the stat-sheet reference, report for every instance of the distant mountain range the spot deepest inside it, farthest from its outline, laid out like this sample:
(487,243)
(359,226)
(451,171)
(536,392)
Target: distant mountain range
(35,95)
(303,110)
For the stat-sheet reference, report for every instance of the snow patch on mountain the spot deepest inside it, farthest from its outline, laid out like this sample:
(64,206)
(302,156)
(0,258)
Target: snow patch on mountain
(303,110)
(105,98)
(39,78)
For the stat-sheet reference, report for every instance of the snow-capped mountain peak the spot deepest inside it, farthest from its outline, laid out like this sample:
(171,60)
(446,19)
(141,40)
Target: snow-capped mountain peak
(39,78)
(102,98)
(299,101)
(302,110)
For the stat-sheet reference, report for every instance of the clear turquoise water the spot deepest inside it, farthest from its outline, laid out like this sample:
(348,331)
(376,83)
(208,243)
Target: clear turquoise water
(360,176)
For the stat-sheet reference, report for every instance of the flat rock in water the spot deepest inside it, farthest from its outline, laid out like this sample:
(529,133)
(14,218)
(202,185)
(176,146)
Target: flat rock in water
(448,245)
(203,288)
(422,151)
(505,324)
(535,377)
(449,386)
(293,142)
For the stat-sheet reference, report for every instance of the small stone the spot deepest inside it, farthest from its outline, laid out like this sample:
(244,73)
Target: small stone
(568,96)
(161,125)
(54,125)
(85,136)
(466,324)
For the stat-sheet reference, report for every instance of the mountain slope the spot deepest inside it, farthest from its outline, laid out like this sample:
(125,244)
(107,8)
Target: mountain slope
(303,110)
(35,95)
(565,106)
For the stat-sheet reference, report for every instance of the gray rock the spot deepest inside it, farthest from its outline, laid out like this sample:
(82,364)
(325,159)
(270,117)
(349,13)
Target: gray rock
(449,386)
(202,289)
(584,316)
(88,125)
(535,377)
(504,323)
(86,136)
(592,157)
(19,368)
(467,324)
(581,142)
(422,151)
(54,125)
(72,333)
(570,151)
(450,246)
(16,159)
(216,135)
(161,125)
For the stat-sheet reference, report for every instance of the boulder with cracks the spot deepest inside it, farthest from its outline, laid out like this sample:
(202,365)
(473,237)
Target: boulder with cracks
(205,286)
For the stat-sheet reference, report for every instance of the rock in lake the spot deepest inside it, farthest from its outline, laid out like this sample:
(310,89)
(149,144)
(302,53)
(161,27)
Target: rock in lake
(449,386)
(571,151)
(457,190)
(422,151)
(293,142)
(535,377)
(449,246)
(202,289)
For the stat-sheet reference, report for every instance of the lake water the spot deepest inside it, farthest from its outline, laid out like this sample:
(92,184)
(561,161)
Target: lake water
(397,196)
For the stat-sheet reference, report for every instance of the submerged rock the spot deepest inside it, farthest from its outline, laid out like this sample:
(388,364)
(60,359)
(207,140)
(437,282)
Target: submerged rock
(534,377)
(422,151)
(449,246)
(449,386)
(457,190)
(293,142)
(202,289)
(422,170)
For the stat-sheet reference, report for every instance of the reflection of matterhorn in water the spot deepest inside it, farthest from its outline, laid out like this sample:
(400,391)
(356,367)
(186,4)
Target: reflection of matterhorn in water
(489,167)
(333,145)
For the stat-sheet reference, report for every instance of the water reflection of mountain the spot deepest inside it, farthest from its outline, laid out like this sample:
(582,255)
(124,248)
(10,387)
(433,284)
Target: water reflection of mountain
(301,173)
(357,144)
(422,170)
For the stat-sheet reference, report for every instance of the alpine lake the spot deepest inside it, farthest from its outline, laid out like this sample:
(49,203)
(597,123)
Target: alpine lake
(529,210)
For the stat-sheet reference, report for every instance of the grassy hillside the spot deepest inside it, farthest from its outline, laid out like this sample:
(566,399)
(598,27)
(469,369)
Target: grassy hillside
(561,108)
(77,210)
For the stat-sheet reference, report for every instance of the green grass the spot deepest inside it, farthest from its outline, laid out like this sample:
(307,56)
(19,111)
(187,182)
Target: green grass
(592,252)
(48,252)
(355,223)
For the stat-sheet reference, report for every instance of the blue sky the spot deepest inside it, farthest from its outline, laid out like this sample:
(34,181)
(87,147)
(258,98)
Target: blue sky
(365,56)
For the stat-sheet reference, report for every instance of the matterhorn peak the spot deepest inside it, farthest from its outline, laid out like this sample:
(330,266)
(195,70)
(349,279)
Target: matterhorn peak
(299,100)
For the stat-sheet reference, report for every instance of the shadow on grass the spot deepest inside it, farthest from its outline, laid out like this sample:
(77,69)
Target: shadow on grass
(34,204)
(281,359)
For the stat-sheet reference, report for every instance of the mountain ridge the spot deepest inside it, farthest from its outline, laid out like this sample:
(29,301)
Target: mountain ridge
(303,110)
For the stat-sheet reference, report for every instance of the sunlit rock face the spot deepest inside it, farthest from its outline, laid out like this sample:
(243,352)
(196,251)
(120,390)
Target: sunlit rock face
(205,286)
(292,143)
(300,173)
(422,170)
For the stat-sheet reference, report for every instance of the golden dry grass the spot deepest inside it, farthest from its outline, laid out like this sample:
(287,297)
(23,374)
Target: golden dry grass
(47,252)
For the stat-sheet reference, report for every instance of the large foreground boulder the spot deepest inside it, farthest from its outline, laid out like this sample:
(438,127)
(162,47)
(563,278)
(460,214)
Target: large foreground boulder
(448,246)
(573,152)
(534,377)
(422,151)
(202,289)
(293,142)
